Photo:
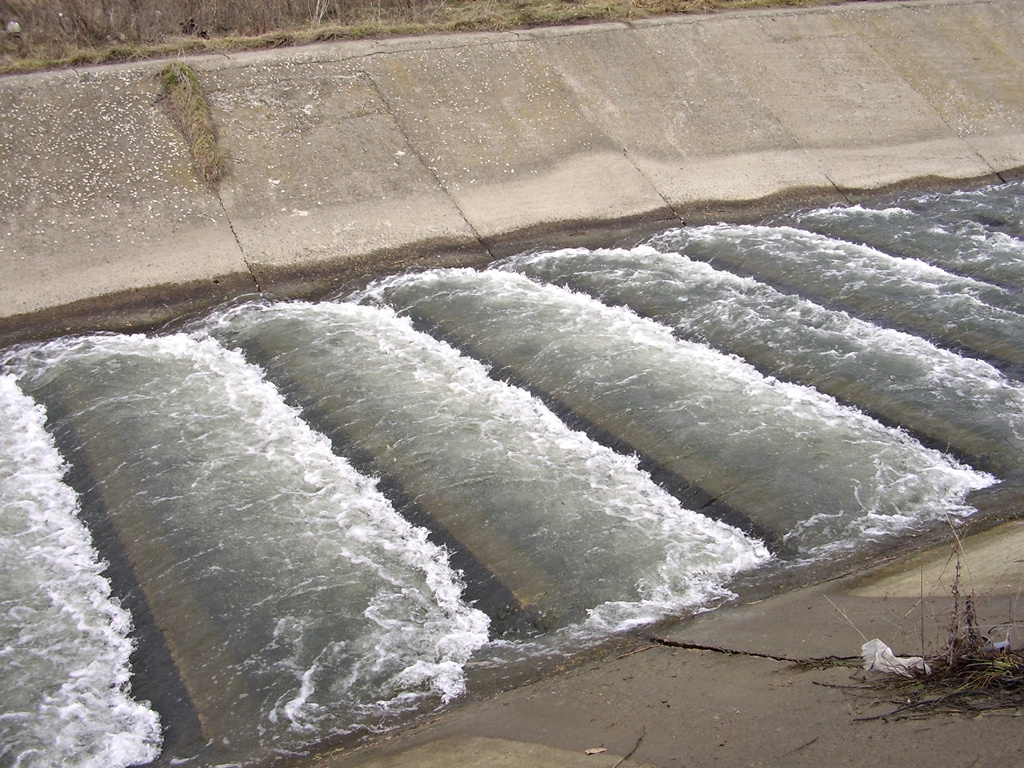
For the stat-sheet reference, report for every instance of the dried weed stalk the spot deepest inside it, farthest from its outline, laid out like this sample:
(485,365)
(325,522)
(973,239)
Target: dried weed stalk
(969,673)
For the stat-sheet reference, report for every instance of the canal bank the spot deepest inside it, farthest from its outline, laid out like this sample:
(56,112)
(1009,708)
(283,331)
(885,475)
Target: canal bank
(774,682)
(319,194)
(366,156)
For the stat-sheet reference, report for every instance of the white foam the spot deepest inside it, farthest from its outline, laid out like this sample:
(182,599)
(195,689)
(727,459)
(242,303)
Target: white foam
(64,678)
(804,446)
(851,266)
(577,500)
(793,334)
(310,522)
(945,236)
(844,211)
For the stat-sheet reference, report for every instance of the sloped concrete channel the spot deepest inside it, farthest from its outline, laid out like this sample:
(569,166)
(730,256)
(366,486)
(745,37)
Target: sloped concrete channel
(360,158)
(355,154)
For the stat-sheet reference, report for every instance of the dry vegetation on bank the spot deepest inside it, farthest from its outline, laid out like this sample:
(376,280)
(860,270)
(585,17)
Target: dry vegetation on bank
(971,674)
(42,34)
(187,107)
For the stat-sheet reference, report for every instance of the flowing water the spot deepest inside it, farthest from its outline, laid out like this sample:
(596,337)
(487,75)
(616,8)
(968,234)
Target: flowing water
(64,677)
(290,523)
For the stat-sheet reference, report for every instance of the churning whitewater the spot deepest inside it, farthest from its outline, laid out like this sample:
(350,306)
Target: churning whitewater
(64,676)
(803,470)
(289,524)
(294,598)
(962,403)
(909,294)
(976,233)
(574,532)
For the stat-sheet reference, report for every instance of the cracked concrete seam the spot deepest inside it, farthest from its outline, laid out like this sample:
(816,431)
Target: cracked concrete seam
(661,195)
(216,188)
(825,660)
(238,242)
(422,160)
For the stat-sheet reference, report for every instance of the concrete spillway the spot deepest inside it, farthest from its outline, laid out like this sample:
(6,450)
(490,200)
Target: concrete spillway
(320,515)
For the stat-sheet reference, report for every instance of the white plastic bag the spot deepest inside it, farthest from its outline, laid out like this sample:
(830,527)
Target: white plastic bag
(878,656)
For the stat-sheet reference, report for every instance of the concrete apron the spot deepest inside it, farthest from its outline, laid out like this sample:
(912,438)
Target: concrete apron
(350,157)
(730,687)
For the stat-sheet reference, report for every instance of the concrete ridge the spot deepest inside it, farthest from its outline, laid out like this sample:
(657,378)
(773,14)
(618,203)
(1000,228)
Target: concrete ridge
(351,157)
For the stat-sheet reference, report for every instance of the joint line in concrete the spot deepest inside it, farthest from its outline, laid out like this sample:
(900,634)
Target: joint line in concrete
(423,161)
(836,187)
(823,660)
(665,200)
(937,113)
(241,250)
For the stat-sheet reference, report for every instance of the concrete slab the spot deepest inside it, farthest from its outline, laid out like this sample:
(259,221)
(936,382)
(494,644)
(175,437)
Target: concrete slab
(730,693)
(681,707)
(991,566)
(477,750)
(908,604)
(320,171)
(695,130)
(965,60)
(506,139)
(97,193)
(864,125)
(379,152)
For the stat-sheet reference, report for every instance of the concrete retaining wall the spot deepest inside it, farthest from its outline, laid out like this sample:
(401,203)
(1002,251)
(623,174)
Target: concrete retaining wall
(449,148)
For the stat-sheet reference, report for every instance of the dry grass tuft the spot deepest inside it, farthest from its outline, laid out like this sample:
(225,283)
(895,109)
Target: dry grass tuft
(981,681)
(187,107)
(968,675)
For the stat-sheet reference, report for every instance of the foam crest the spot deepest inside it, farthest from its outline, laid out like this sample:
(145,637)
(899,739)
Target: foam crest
(501,471)
(316,597)
(975,233)
(711,416)
(64,681)
(955,400)
(908,294)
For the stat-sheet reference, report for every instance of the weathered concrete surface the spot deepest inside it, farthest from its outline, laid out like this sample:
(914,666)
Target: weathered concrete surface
(496,752)
(723,689)
(97,195)
(350,154)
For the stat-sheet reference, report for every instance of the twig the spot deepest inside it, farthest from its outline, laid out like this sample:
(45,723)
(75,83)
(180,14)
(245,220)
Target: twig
(636,746)
(635,650)
(802,746)
(842,613)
